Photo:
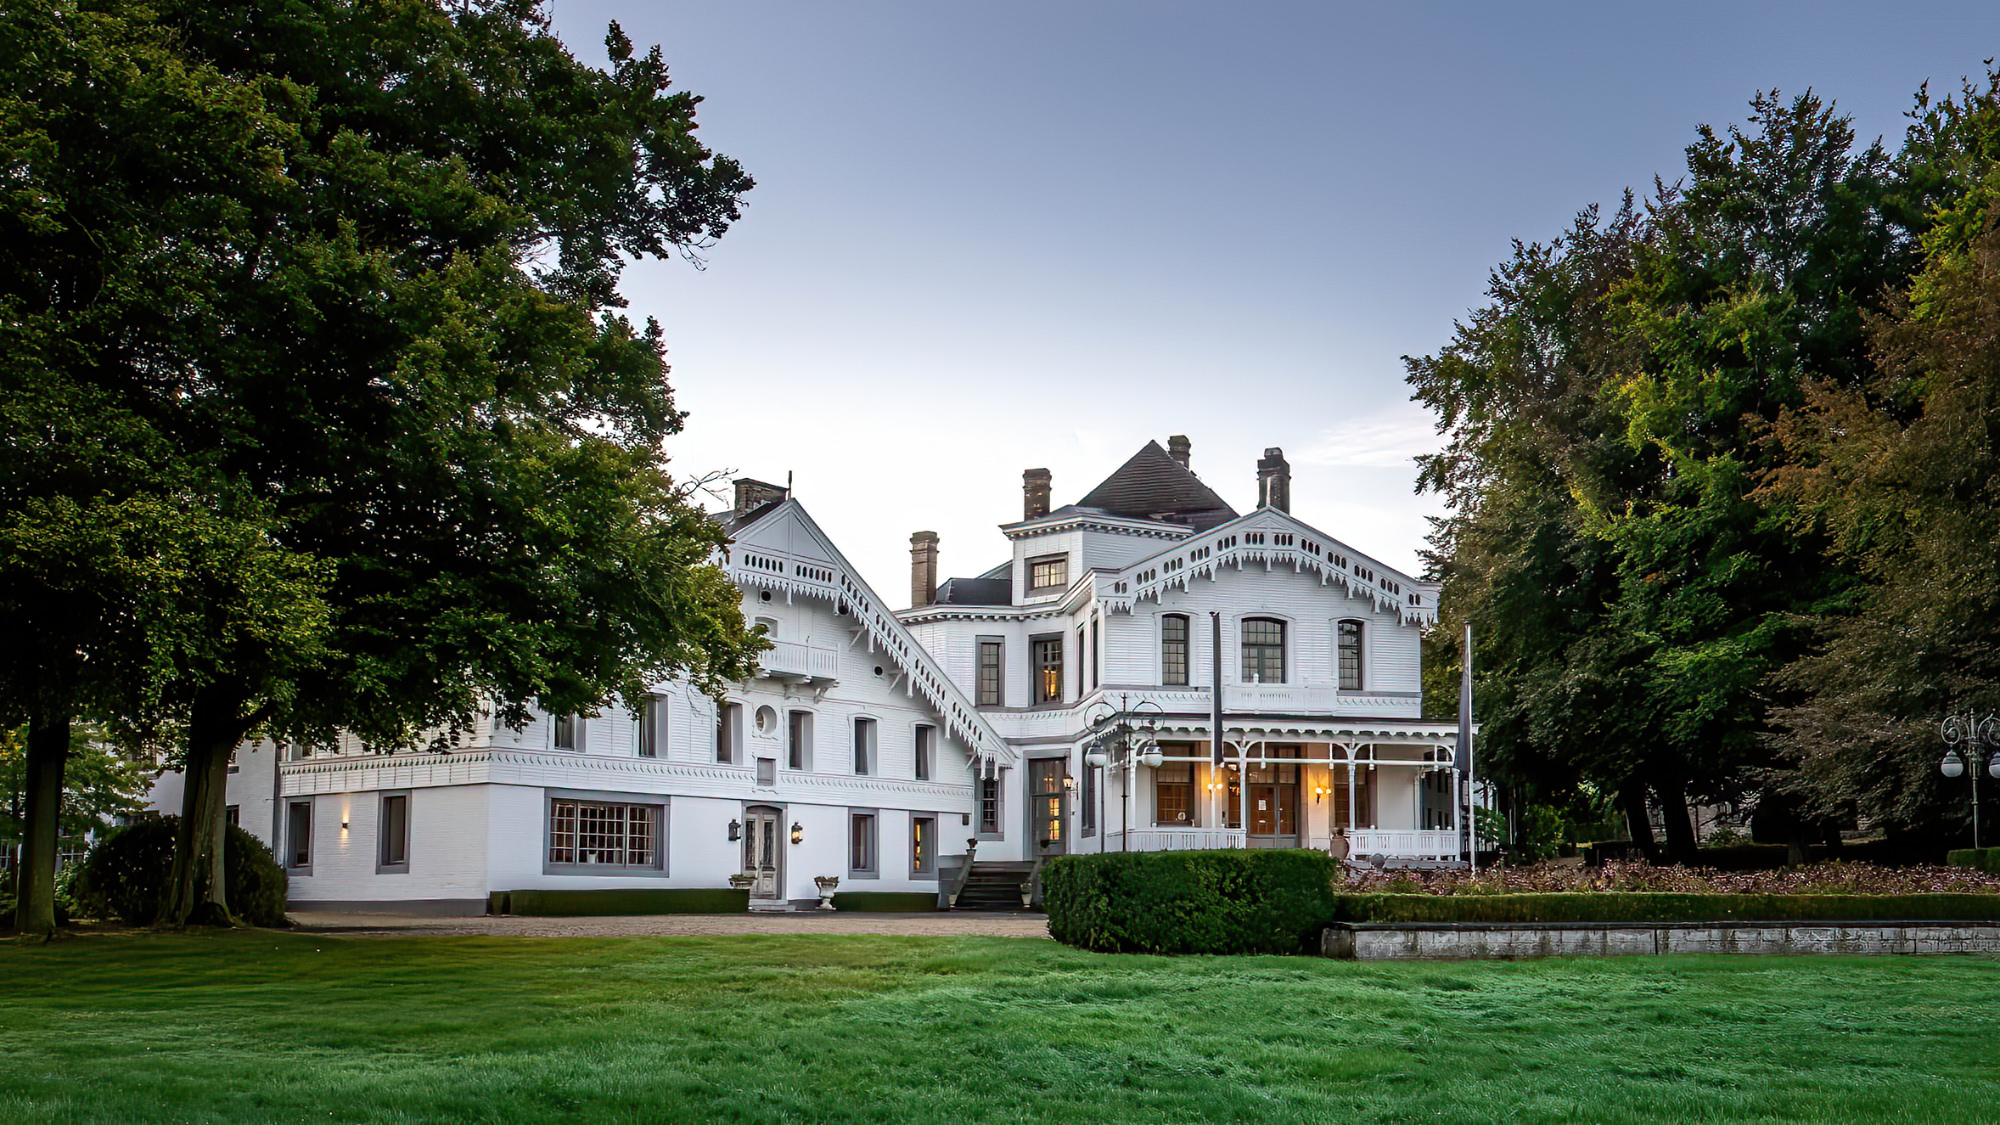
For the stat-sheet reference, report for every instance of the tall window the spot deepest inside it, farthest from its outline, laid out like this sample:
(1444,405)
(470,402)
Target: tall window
(1088,791)
(299,835)
(599,833)
(990,658)
(650,726)
(393,839)
(1173,794)
(1050,572)
(798,740)
(1082,663)
(1174,650)
(1263,651)
(864,746)
(923,847)
(861,844)
(1349,644)
(728,731)
(925,736)
(1046,656)
(1093,654)
(989,806)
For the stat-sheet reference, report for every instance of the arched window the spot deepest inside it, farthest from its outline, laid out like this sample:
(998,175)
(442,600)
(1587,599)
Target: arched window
(1263,651)
(1348,645)
(1174,650)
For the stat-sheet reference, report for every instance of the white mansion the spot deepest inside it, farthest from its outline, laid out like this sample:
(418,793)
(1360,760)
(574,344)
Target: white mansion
(1063,701)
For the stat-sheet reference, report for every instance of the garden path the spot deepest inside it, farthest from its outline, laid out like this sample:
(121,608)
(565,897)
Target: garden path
(680,925)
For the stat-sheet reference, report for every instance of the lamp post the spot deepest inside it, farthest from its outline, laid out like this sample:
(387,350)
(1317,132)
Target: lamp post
(1975,732)
(1127,743)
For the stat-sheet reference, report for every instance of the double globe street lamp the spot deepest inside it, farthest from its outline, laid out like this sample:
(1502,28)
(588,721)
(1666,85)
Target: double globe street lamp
(1975,733)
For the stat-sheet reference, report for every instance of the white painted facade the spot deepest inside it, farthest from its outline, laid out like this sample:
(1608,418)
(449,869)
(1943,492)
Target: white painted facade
(771,781)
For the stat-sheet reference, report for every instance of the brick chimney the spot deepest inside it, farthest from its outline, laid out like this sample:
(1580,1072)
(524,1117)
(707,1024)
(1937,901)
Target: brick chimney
(1177,448)
(1034,493)
(755,493)
(923,568)
(1274,481)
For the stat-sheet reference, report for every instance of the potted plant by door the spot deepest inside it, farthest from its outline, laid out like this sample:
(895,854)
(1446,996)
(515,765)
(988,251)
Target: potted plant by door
(826,885)
(741,881)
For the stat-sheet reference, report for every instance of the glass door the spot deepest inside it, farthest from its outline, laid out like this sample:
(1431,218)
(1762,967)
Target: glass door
(1274,806)
(1050,804)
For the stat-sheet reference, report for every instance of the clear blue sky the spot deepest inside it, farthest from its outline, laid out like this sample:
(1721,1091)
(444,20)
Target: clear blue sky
(993,236)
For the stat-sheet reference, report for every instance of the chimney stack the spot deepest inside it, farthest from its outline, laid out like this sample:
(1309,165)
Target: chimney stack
(1034,493)
(755,493)
(1177,448)
(1274,481)
(923,568)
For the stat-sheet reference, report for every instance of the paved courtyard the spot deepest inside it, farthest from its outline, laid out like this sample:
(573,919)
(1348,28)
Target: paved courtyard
(682,925)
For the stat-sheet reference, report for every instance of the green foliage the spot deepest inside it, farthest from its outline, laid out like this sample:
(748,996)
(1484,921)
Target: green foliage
(125,875)
(1983,859)
(1237,901)
(1659,906)
(619,901)
(99,783)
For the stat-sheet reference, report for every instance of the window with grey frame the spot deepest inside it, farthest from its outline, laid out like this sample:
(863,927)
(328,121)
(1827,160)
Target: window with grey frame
(649,727)
(1174,650)
(566,732)
(392,835)
(1263,651)
(798,740)
(728,731)
(1347,645)
(1088,793)
(1048,573)
(1094,671)
(989,807)
(925,739)
(1082,665)
(299,836)
(1046,655)
(600,834)
(862,845)
(864,747)
(992,662)
(923,847)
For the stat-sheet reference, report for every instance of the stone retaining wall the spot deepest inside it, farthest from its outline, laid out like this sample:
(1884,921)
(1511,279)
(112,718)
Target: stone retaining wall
(1407,941)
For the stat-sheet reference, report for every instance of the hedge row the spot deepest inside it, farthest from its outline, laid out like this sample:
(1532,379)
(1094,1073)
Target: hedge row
(623,900)
(1984,859)
(1190,902)
(1657,906)
(893,902)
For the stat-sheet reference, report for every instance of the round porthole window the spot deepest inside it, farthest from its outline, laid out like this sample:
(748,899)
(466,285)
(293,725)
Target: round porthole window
(767,720)
(764,596)
(878,669)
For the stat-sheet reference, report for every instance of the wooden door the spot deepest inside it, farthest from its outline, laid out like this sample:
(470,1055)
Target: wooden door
(1274,806)
(1050,806)
(763,851)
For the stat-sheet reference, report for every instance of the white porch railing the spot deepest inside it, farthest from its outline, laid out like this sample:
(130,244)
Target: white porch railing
(794,658)
(1404,843)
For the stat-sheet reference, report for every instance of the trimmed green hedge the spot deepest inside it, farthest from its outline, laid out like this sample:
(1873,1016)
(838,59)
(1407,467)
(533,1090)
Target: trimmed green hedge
(1656,906)
(622,900)
(890,902)
(1984,859)
(1190,902)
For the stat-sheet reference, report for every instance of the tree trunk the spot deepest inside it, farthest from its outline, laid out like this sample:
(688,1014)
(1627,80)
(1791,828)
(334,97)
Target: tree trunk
(197,893)
(1633,798)
(35,879)
(1681,846)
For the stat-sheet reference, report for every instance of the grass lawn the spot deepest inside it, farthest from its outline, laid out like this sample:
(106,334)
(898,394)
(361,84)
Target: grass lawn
(282,1027)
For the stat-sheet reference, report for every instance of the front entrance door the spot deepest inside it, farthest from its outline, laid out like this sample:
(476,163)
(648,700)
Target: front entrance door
(1049,804)
(762,850)
(1274,806)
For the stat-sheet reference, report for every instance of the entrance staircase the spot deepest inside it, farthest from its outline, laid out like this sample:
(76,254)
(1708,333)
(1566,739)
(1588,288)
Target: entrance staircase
(995,886)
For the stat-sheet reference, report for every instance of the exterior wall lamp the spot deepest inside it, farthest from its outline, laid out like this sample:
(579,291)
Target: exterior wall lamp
(1320,791)
(1976,733)
(735,831)
(798,833)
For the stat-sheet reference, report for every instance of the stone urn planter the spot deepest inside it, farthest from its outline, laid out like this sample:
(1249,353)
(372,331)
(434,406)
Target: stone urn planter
(741,881)
(826,884)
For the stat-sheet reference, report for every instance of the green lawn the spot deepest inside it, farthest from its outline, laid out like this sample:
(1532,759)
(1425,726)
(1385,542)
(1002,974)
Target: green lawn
(282,1027)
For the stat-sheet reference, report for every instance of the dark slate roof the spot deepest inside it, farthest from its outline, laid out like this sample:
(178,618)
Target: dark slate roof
(1154,486)
(976,591)
(733,520)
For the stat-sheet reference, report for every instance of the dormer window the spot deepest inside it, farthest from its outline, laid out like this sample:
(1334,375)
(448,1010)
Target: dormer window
(1048,573)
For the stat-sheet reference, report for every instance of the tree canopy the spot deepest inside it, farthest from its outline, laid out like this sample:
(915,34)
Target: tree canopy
(337,284)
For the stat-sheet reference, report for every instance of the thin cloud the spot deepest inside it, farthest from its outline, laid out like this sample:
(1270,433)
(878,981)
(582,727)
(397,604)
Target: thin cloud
(1388,439)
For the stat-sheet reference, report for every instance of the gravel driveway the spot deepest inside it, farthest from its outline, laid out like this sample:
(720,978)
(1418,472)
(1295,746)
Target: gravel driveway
(979,923)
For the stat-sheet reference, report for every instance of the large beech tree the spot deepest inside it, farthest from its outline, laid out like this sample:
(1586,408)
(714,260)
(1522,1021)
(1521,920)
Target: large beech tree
(348,271)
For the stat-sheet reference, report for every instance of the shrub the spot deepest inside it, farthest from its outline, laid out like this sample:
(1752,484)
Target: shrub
(1979,859)
(619,901)
(1190,902)
(125,875)
(1819,878)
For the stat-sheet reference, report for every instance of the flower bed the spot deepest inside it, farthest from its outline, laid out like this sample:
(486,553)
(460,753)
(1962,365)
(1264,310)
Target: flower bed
(1834,878)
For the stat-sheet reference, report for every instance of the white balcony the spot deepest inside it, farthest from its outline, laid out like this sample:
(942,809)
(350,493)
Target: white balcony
(799,661)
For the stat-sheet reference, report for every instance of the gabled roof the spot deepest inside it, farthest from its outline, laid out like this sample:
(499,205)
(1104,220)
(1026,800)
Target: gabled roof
(1154,486)
(779,547)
